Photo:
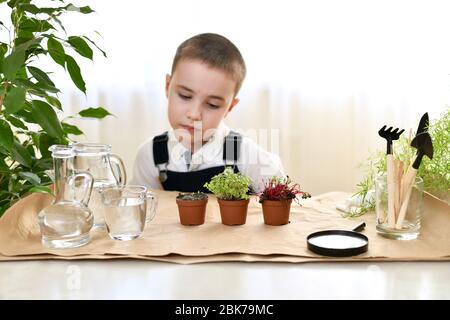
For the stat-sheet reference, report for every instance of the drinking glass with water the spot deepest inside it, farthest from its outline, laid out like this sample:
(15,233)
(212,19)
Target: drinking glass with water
(126,209)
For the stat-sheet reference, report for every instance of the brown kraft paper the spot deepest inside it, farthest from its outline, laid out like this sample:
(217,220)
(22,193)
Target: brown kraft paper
(165,239)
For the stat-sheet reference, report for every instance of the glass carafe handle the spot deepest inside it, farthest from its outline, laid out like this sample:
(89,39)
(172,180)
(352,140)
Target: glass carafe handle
(153,200)
(88,182)
(119,172)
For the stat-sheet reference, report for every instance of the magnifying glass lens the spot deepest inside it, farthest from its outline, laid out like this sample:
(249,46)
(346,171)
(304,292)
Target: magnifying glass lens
(337,242)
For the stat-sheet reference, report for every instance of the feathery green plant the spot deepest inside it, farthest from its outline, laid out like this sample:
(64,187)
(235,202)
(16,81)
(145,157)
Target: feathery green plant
(229,185)
(435,173)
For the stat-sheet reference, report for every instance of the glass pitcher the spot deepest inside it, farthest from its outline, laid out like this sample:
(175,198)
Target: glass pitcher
(107,170)
(67,221)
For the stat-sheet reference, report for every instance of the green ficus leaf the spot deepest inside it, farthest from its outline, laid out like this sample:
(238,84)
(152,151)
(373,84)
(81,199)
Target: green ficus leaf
(71,129)
(34,25)
(21,155)
(85,10)
(31,177)
(21,74)
(45,141)
(36,51)
(22,38)
(27,42)
(40,76)
(56,51)
(55,18)
(46,87)
(6,135)
(24,83)
(14,185)
(28,24)
(41,189)
(47,10)
(14,100)
(12,63)
(30,87)
(3,50)
(35,138)
(103,52)
(45,26)
(17,123)
(81,47)
(54,102)
(44,164)
(52,11)
(3,166)
(98,113)
(31,8)
(38,88)
(12,3)
(25,113)
(75,73)
(31,150)
(46,117)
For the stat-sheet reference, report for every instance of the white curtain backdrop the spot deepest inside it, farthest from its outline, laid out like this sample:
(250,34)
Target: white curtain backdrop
(323,76)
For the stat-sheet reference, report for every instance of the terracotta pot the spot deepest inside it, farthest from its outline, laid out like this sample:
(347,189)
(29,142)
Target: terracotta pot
(233,212)
(276,213)
(192,212)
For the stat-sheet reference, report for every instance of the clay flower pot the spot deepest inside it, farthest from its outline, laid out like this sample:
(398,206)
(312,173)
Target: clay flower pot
(230,185)
(276,213)
(233,212)
(192,212)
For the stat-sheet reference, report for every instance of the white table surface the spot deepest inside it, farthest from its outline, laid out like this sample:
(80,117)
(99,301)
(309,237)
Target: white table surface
(136,279)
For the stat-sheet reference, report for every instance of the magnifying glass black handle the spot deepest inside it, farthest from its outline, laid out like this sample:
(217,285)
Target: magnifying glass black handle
(359,227)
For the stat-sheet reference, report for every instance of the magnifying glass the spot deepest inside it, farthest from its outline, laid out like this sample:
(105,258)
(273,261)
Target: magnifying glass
(338,243)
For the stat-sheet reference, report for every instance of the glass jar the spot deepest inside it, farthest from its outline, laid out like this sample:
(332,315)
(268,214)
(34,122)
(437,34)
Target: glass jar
(400,227)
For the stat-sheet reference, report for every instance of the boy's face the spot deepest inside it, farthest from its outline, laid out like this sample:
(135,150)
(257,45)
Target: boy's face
(199,97)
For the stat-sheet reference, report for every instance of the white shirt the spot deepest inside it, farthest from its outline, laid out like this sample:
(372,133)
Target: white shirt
(255,162)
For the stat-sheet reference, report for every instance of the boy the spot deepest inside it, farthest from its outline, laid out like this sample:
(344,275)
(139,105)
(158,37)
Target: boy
(207,73)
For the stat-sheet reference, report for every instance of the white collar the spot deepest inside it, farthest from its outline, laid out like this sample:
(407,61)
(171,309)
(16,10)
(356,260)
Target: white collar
(207,153)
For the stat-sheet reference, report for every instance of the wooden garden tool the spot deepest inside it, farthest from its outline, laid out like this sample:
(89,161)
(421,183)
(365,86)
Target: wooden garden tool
(390,136)
(422,142)
(422,128)
(398,174)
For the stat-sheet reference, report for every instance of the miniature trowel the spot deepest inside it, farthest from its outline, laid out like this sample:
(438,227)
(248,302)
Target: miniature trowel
(422,142)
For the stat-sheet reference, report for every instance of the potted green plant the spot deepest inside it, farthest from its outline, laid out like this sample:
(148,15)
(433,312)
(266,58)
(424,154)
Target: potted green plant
(29,101)
(192,208)
(276,199)
(231,190)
